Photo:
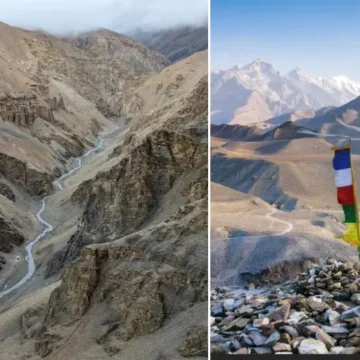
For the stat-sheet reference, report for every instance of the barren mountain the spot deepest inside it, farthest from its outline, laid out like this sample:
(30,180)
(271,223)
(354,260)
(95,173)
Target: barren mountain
(51,91)
(256,92)
(251,241)
(123,272)
(236,132)
(286,131)
(295,116)
(333,121)
(175,43)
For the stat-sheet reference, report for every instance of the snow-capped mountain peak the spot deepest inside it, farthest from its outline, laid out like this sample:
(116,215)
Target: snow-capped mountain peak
(260,69)
(295,73)
(342,80)
(258,91)
(235,68)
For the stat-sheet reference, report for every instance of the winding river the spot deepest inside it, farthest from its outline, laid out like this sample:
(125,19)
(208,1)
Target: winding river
(48,227)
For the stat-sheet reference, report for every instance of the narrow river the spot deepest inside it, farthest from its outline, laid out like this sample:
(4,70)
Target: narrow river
(29,258)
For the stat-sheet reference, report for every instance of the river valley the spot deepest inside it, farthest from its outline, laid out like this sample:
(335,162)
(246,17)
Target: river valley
(49,223)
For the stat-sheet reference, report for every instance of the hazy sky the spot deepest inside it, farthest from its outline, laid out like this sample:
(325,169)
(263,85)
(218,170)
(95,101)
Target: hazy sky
(322,37)
(64,16)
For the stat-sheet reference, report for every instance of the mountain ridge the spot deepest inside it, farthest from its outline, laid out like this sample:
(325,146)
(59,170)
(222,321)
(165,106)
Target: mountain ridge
(232,90)
(127,227)
(175,43)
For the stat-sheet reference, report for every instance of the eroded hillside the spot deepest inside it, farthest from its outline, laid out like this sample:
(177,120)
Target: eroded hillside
(54,95)
(134,271)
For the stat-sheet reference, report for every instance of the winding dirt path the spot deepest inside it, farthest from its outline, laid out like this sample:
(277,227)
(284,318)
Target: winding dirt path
(289,227)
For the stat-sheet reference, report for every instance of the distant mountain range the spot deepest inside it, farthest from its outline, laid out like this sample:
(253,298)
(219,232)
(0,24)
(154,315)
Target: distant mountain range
(176,43)
(257,92)
(286,131)
(343,120)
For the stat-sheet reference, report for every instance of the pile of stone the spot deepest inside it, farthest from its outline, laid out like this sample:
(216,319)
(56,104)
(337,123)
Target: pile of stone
(316,314)
(333,278)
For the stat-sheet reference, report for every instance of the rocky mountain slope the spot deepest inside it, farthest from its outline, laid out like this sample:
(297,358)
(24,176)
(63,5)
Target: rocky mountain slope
(295,116)
(164,266)
(134,270)
(286,131)
(54,95)
(236,132)
(337,120)
(176,43)
(257,92)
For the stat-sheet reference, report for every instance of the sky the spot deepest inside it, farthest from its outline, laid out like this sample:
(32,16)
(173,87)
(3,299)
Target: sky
(72,16)
(322,37)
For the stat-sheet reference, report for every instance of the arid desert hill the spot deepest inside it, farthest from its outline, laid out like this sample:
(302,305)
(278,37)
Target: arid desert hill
(123,272)
(295,180)
(342,120)
(286,131)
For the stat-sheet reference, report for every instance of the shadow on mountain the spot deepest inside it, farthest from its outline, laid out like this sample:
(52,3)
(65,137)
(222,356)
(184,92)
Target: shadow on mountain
(319,223)
(221,117)
(237,233)
(272,148)
(250,176)
(274,258)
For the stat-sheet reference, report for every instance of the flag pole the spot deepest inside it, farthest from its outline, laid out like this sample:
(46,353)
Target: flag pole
(309,132)
(356,202)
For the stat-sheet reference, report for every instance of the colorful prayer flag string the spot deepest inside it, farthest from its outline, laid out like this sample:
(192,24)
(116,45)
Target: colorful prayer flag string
(346,193)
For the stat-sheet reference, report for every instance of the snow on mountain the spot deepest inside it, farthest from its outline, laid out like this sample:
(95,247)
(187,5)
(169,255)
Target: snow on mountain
(256,92)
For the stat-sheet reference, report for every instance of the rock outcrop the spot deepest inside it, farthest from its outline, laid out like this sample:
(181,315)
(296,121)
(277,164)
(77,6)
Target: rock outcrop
(163,270)
(22,110)
(315,314)
(9,236)
(31,180)
(6,191)
(149,166)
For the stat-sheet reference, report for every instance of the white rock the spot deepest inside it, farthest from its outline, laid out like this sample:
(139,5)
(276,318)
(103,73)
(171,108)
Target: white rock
(228,303)
(259,322)
(212,321)
(312,346)
(296,317)
(356,299)
(337,350)
(281,347)
(334,317)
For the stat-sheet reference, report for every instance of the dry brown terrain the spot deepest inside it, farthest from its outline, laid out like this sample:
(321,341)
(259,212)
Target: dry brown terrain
(124,271)
(249,235)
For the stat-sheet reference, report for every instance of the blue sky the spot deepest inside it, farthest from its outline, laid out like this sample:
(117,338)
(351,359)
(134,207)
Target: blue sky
(322,37)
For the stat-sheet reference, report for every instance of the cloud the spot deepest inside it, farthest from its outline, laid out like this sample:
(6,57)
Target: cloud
(71,16)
